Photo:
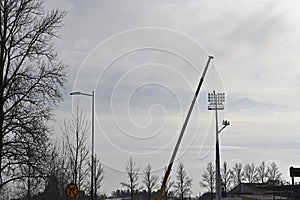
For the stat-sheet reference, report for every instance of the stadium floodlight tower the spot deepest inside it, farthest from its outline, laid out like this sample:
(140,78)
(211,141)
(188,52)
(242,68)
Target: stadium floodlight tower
(216,102)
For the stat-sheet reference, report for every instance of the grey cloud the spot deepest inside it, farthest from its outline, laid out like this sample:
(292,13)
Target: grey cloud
(236,103)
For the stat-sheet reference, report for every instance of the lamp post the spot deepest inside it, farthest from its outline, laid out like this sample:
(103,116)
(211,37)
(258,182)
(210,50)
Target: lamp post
(216,103)
(92,156)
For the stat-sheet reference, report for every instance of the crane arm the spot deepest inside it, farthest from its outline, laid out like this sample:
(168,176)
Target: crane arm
(182,131)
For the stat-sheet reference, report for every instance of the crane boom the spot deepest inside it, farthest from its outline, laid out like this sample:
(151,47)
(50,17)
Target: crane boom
(168,171)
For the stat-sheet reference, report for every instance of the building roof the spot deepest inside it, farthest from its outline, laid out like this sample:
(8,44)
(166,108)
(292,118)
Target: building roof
(265,191)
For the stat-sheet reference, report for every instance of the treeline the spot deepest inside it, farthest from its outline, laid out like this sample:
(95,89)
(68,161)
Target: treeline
(149,185)
(180,188)
(47,173)
(248,173)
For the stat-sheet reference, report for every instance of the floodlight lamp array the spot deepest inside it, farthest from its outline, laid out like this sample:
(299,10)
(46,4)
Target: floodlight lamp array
(220,97)
(216,101)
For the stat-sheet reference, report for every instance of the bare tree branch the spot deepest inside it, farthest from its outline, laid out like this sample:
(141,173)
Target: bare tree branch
(75,134)
(31,83)
(149,180)
(208,178)
(184,182)
(132,174)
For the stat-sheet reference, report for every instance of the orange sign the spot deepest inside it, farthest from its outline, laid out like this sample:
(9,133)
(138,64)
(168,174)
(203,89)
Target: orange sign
(72,190)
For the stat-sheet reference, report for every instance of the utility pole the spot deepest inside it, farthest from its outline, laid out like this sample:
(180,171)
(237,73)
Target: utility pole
(216,103)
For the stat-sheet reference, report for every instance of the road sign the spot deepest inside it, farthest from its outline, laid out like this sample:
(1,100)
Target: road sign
(294,172)
(72,190)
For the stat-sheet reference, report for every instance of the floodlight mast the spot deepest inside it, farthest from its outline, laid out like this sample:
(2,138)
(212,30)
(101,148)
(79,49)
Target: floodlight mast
(168,171)
(216,103)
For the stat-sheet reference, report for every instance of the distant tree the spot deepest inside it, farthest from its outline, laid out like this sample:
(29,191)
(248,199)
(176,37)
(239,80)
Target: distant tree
(226,177)
(132,173)
(149,180)
(57,177)
(99,175)
(184,182)
(262,172)
(209,178)
(34,182)
(250,173)
(53,190)
(31,83)
(120,193)
(273,172)
(75,133)
(237,174)
(169,185)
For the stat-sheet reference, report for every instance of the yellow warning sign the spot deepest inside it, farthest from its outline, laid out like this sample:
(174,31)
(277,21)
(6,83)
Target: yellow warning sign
(72,190)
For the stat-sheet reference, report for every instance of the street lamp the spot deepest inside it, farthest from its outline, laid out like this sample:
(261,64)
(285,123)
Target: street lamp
(216,101)
(92,156)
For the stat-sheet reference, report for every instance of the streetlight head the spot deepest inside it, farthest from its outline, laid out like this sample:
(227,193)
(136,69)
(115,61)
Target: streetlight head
(75,93)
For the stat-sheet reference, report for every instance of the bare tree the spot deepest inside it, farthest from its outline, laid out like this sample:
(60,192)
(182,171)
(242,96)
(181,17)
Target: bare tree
(57,177)
(184,182)
(273,172)
(149,180)
(169,185)
(31,80)
(34,182)
(208,179)
(99,175)
(262,172)
(133,175)
(226,177)
(237,174)
(250,173)
(75,133)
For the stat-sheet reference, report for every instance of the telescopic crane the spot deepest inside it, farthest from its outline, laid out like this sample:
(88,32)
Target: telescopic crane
(168,171)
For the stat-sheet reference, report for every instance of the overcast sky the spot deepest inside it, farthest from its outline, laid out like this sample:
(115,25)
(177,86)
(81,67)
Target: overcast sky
(144,59)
